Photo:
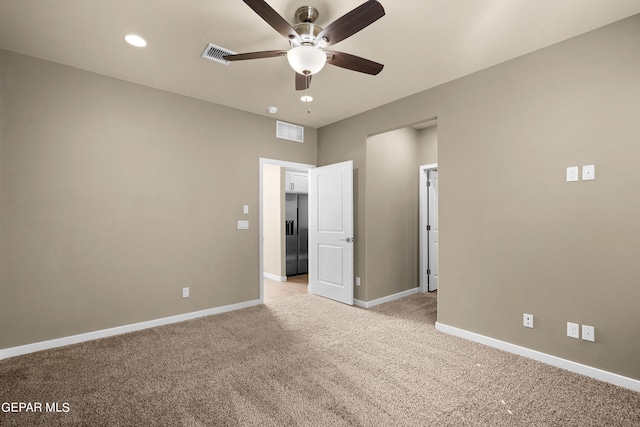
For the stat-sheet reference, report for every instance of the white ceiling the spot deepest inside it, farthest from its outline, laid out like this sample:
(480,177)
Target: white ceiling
(422,43)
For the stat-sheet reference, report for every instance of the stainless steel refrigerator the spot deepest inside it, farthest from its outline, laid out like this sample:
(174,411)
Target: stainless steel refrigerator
(297,233)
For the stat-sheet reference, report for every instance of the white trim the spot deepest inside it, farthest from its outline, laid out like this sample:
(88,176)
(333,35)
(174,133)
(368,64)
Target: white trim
(74,339)
(578,368)
(274,277)
(263,161)
(388,298)
(424,238)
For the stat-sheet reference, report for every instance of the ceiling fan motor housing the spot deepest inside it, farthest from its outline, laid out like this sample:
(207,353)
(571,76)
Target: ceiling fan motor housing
(308,32)
(307,14)
(306,17)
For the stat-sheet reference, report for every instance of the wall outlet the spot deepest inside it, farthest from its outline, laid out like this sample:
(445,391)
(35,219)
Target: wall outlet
(588,333)
(573,330)
(572,173)
(527,320)
(185,292)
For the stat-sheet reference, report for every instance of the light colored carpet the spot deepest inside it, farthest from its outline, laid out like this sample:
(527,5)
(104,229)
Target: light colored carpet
(306,361)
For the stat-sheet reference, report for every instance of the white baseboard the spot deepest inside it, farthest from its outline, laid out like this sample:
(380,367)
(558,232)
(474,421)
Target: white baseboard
(578,368)
(274,277)
(74,339)
(388,298)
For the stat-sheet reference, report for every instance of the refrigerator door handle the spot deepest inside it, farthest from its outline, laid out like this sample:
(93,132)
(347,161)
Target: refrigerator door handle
(289,227)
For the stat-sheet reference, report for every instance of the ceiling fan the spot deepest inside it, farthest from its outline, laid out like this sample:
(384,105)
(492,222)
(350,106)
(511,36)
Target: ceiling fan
(308,41)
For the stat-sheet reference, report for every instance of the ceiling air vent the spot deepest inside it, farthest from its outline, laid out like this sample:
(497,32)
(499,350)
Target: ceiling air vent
(288,131)
(216,54)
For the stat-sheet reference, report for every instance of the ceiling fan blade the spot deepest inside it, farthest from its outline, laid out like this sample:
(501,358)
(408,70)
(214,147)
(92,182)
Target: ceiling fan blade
(273,18)
(255,55)
(354,21)
(302,82)
(352,62)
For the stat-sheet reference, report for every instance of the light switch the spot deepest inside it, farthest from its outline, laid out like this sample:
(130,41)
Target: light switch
(243,225)
(573,330)
(572,173)
(245,209)
(588,172)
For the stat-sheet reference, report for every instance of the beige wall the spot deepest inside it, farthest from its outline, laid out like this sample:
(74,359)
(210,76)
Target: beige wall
(428,145)
(273,220)
(114,196)
(514,236)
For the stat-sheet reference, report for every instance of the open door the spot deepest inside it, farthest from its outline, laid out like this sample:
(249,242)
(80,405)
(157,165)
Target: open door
(331,232)
(432,228)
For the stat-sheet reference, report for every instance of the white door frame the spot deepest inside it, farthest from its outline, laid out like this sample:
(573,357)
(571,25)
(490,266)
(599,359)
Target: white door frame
(424,237)
(284,164)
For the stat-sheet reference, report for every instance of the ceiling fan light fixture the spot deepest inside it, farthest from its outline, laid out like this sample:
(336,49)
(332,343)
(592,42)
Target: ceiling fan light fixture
(306,60)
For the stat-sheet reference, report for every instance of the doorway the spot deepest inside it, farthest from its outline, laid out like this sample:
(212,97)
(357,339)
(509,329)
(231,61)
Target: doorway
(429,228)
(393,208)
(330,229)
(272,230)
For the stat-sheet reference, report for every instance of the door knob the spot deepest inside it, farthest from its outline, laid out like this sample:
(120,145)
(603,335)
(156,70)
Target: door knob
(349,240)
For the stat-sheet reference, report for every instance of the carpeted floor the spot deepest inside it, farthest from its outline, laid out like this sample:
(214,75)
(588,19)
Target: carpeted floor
(305,361)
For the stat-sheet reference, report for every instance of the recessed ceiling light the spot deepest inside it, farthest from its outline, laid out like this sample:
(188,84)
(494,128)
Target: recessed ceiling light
(306,98)
(134,40)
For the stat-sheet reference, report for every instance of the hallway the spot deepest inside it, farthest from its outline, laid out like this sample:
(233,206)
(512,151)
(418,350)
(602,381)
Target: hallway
(295,285)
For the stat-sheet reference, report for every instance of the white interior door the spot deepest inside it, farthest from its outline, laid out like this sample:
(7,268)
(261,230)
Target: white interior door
(331,231)
(432,229)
